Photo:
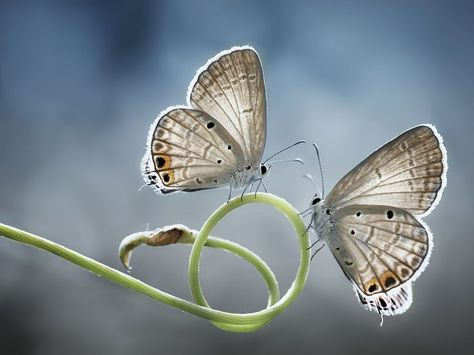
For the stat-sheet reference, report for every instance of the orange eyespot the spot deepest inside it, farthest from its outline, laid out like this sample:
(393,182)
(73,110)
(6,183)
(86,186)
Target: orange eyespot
(372,286)
(162,162)
(389,280)
(167,177)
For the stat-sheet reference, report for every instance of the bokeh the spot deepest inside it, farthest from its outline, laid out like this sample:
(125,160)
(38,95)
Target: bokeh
(80,83)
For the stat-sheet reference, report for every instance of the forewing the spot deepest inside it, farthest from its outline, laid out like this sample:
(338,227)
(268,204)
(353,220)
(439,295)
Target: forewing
(382,250)
(189,150)
(231,88)
(408,172)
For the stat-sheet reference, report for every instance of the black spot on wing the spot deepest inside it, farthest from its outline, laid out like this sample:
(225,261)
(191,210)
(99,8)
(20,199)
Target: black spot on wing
(389,281)
(160,162)
(372,288)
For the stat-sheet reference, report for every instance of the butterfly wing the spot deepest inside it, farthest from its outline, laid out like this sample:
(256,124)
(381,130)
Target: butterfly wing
(189,150)
(231,88)
(408,172)
(377,239)
(381,249)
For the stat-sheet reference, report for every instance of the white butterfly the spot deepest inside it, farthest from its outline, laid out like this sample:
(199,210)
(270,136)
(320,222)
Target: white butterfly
(371,218)
(219,138)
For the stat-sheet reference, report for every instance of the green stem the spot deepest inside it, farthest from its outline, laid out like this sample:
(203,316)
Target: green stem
(225,320)
(252,258)
(181,234)
(235,323)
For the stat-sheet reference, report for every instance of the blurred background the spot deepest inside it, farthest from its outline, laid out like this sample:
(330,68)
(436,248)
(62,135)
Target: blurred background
(80,83)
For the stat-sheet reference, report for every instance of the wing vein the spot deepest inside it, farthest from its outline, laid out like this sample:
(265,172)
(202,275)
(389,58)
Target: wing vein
(363,254)
(369,245)
(389,231)
(237,114)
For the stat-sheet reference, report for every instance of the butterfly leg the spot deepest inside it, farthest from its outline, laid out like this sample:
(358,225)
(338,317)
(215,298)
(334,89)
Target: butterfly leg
(230,193)
(317,250)
(314,243)
(245,189)
(306,212)
(310,224)
(260,181)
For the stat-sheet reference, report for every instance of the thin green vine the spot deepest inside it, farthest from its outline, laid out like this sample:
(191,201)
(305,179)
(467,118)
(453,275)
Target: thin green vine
(224,320)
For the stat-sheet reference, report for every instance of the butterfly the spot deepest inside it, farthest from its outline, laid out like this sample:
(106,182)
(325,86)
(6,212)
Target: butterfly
(219,137)
(371,220)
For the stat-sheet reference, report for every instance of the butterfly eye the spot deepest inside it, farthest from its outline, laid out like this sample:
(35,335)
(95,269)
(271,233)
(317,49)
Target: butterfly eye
(263,169)
(315,201)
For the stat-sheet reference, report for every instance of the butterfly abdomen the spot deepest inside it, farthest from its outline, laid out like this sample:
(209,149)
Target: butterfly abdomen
(322,220)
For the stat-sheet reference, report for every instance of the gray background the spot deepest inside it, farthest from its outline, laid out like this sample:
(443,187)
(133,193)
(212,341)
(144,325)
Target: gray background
(80,83)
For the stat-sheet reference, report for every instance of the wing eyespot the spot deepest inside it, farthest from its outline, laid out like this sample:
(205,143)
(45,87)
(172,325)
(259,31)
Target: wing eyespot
(389,214)
(389,281)
(210,125)
(160,162)
(157,147)
(372,288)
(405,272)
(160,132)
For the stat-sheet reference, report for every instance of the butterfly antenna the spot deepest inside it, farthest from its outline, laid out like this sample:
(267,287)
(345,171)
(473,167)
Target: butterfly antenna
(297,160)
(310,179)
(281,151)
(320,168)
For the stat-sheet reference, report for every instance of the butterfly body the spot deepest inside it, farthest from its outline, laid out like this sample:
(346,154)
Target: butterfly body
(371,219)
(322,222)
(246,175)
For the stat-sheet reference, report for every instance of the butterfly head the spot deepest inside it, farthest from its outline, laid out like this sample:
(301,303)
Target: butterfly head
(316,199)
(264,169)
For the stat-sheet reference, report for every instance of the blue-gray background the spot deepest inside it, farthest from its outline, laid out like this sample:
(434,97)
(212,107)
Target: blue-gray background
(80,83)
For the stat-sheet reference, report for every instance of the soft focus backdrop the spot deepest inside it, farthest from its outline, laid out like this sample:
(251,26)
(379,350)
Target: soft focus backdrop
(80,83)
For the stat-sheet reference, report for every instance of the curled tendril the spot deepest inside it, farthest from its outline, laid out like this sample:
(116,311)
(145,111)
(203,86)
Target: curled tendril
(181,234)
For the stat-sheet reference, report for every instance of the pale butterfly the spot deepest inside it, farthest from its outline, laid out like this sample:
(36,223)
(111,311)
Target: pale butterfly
(371,218)
(219,138)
